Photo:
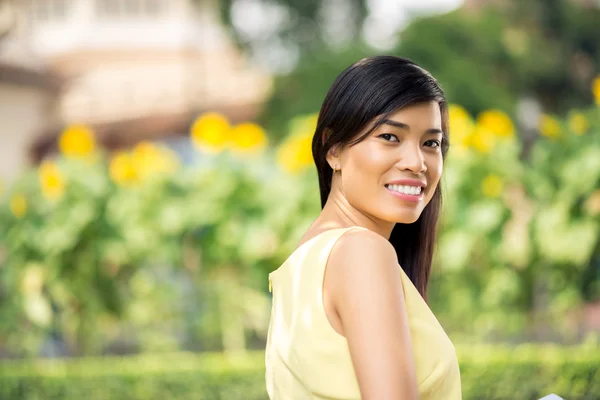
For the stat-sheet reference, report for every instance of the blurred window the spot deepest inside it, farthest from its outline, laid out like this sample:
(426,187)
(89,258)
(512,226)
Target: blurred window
(129,8)
(154,7)
(132,7)
(49,10)
(108,8)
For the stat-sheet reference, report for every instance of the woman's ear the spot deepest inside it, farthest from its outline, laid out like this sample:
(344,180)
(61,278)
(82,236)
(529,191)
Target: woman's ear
(333,157)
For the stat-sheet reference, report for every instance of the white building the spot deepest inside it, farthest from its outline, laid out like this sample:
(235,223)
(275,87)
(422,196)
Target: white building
(27,97)
(139,68)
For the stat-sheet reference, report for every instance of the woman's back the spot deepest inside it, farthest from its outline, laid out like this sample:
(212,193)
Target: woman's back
(307,358)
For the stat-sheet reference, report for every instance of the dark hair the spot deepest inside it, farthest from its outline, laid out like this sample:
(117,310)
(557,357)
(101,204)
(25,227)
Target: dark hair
(376,87)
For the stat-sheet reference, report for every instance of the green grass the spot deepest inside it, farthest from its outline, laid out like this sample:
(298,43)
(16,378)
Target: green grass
(521,372)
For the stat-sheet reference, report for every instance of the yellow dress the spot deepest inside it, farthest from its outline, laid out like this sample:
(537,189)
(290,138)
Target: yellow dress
(307,359)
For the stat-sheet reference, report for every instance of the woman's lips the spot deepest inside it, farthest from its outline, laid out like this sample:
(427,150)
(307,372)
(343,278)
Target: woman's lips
(413,198)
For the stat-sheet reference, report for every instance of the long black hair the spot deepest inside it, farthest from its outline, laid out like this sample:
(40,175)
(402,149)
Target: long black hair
(375,88)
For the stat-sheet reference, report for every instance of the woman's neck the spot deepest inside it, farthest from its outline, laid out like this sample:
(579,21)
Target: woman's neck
(338,212)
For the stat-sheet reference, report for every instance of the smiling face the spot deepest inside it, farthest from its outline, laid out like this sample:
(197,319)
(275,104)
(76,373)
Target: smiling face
(393,173)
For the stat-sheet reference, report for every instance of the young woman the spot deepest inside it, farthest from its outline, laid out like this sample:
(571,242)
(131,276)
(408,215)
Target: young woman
(350,318)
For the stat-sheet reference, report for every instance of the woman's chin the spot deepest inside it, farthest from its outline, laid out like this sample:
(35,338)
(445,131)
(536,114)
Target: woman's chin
(407,221)
(402,218)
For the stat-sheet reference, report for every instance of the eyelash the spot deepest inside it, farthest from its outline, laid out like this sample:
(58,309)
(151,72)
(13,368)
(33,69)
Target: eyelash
(437,142)
(389,135)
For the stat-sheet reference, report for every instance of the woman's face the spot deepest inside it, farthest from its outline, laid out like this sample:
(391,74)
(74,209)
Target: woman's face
(392,174)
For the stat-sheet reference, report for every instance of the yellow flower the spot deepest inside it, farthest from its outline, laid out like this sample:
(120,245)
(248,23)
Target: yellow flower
(210,132)
(295,154)
(77,141)
(18,205)
(149,160)
(461,122)
(492,186)
(596,89)
(458,113)
(482,139)
(121,169)
(461,127)
(51,180)
(549,126)
(248,138)
(497,122)
(578,123)
(144,161)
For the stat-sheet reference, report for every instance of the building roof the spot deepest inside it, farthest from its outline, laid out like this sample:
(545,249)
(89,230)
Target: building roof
(19,66)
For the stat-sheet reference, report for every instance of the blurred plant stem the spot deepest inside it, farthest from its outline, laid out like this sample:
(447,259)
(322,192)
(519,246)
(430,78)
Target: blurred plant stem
(192,256)
(231,312)
(86,333)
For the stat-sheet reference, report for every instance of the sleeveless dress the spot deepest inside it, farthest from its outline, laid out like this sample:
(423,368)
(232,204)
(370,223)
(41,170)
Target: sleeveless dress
(307,359)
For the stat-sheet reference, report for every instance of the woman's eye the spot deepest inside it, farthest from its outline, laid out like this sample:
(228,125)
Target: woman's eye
(389,137)
(433,143)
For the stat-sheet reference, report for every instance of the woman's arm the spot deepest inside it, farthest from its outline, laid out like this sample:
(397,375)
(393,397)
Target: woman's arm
(364,285)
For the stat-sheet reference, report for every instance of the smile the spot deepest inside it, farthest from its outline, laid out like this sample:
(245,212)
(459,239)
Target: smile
(406,189)
(406,192)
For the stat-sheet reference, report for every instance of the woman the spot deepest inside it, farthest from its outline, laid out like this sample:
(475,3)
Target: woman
(349,317)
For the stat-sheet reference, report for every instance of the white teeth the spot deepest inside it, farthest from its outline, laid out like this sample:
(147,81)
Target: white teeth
(405,189)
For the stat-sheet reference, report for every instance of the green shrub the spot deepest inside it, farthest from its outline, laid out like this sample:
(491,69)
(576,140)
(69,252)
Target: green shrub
(173,376)
(521,372)
(530,372)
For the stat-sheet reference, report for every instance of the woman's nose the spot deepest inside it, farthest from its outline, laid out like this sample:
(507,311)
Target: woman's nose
(412,159)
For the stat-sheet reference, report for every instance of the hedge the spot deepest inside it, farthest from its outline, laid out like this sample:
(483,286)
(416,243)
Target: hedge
(522,372)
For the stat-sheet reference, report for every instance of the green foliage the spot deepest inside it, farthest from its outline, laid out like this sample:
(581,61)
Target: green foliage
(529,372)
(492,57)
(522,258)
(521,372)
(104,253)
(181,259)
(170,376)
(554,49)
(466,54)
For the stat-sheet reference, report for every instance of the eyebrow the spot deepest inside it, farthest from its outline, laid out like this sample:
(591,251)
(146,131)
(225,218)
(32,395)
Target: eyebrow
(404,126)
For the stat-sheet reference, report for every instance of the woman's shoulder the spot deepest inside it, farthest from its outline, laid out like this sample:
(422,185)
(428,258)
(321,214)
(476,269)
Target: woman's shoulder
(363,255)
(362,244)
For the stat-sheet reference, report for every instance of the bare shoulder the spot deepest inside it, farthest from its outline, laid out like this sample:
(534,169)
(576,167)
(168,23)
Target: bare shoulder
(363,252)
(362,262)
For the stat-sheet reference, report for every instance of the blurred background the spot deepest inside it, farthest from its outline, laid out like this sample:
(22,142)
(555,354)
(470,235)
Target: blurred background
(155,166)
